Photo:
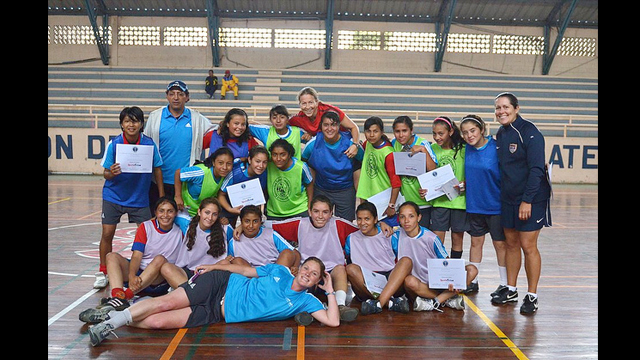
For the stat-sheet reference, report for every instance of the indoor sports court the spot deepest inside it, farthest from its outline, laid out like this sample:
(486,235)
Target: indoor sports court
(387,58)
(565,326)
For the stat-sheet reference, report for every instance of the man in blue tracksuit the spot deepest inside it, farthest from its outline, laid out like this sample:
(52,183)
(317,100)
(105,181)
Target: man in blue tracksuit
(525,194)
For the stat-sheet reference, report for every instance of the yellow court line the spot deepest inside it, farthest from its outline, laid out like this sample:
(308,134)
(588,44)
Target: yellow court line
(57,201)
(496,330)
(174,344)
(300,350)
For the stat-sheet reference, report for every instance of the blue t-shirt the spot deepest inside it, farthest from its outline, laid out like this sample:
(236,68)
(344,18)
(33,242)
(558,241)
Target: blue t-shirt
(240,174)
(175,154)
(334,170)
(482,174)
(266,298)
(128,189)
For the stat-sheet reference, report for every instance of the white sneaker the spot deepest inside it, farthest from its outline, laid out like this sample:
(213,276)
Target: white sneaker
(455,302)
(422,304)
(102,280)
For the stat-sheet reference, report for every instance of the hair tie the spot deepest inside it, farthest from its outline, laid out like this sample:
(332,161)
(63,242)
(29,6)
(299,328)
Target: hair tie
(471,118)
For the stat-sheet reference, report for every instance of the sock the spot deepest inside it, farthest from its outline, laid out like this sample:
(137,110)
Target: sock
(503,275)
(128,294)
(477,265)
(119,318)
(533,295)
(103,268)
(341,297)
(512,288)
(118,293)
(456,254)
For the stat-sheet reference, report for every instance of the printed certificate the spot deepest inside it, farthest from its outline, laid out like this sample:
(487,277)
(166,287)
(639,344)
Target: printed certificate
(381,201)
(443,272)
(135,158)
(375,282)
(437,181)
(407,164)
(246,193)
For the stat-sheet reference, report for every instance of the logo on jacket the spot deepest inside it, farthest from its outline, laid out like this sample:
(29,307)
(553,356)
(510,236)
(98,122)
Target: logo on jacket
(513,148)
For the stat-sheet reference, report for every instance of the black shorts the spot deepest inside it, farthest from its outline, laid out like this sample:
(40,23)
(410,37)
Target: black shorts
(205,295)
(111,213)
(443,219)
(481,224)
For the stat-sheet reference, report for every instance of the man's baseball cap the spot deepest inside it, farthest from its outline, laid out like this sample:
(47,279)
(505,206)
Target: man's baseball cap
(179,84)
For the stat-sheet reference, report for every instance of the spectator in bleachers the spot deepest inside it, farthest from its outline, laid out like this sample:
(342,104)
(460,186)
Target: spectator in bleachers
(229,82)
(309,118)
(178,131)
(211,84)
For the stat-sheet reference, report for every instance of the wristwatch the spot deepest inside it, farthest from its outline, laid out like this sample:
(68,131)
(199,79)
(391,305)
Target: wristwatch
(330,293)
(392,205)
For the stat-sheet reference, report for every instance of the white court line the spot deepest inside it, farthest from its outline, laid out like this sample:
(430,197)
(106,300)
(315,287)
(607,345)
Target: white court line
(73,305)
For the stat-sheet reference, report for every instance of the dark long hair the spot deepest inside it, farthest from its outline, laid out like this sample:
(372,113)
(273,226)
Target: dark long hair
(224,128)
(216,238)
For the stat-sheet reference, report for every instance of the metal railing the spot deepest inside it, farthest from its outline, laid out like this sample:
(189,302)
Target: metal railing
(106,116)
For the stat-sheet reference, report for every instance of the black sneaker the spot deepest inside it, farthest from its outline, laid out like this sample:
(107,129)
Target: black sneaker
(347,313)
(303,318)
(370,306)
(116,303)
(399,304)
(504,296)
(497,290)
(473,287)
(94,316)
(529,305)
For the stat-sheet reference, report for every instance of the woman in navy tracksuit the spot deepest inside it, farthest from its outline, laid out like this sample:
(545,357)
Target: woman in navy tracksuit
(525,195)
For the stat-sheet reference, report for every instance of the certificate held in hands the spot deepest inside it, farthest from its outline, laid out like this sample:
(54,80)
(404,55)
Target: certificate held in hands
(135,158)
(443,272)
(246,193)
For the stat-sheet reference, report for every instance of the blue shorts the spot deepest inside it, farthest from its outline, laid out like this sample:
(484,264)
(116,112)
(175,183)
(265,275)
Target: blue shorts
(540,216)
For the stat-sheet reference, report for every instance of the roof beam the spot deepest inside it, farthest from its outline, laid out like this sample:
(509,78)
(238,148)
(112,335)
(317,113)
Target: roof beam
(549,55)
(213,19)
(442,26)
(328,28)
(102,40)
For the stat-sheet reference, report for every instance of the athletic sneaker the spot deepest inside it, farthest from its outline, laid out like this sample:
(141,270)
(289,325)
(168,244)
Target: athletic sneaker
(347,313)
(504,296)
(455,302)
(529,305)
(114,302)
(94,316)
(473,287)
(99,332)
(422,304)
(399,304)
(303,318)
(497,290)
(102,280)
(370,306)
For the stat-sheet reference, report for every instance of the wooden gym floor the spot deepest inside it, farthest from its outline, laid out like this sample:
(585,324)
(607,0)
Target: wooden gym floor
(565,326)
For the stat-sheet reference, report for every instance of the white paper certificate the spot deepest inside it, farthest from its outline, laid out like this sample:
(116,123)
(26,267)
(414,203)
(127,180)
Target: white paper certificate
(407,164)
(246,193)
(375,282)
(434,180)
(135,158)
(381,201)
(443,272)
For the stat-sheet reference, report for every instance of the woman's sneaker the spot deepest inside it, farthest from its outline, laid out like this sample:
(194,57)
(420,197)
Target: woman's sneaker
(455,302)
(347,313)
(497,290)
(93,315)
(303,318)
(116,303)
(99,332)
(102,280)
(529,305)
(504,296)
(423,304)
(370,306)
(399,304)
